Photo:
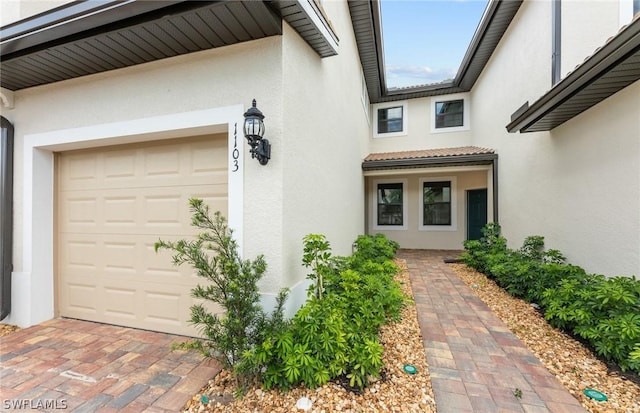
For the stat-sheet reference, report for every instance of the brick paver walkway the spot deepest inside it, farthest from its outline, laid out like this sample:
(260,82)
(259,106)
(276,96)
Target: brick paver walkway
(476,364)
(79,366)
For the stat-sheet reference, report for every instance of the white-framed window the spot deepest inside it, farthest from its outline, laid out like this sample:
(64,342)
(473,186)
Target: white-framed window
(438,204)
(390,119)
(450,113)
(390,206)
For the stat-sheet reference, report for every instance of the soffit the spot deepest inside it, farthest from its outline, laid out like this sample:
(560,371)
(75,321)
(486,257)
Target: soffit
(465,155)
(610,69)
(83,38)
(365,16)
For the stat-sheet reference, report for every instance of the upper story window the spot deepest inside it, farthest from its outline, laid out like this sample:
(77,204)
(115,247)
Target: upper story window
(450,113)
(390,120)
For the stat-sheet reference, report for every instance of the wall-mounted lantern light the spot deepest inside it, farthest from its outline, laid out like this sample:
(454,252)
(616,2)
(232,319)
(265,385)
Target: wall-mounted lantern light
(253,131)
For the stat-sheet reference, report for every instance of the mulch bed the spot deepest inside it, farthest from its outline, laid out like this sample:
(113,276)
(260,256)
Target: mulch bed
(572,362)
(394,391)
(6,329)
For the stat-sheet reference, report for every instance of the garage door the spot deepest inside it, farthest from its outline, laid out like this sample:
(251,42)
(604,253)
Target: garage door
(113,204)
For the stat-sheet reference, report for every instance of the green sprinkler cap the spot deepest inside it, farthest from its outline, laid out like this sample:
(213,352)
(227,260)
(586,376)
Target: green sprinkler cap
(410,368)
(204,399)
(595,395)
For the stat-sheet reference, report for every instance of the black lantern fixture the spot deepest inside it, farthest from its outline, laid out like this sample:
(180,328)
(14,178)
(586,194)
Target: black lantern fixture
(253,131)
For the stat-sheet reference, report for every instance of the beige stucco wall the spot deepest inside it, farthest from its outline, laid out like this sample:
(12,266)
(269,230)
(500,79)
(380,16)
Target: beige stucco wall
(413,236)
(419,133)
(314,120)
(326,131)
(586,25)
(208,79)
(577,185)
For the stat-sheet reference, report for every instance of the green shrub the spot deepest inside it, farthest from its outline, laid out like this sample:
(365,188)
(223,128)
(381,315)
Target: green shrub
(603,311)
(477,252)
(335,333)
(376,248)
(231,283)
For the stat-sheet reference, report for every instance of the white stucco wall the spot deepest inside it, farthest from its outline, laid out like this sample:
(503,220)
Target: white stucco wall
(208,80)
(579,38)
(14,10)
(418,134)
(577,185)
(326,132)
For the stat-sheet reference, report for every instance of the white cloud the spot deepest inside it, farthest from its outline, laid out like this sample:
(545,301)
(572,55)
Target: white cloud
(403,76)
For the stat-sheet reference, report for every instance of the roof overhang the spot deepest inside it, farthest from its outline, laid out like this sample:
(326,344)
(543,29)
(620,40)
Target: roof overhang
(367,24)
(610,69)
(449,157)
(93,36)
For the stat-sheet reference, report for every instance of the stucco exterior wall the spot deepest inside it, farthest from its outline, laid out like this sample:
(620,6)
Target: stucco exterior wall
(218,78)
(326,132)
(577,185)
(413,236)
(579,38)
(14,10)
(419,133)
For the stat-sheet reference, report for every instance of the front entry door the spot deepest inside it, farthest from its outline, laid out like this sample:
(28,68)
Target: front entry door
(476,212)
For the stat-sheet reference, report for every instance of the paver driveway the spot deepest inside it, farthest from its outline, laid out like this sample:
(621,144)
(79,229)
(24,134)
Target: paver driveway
(80,366)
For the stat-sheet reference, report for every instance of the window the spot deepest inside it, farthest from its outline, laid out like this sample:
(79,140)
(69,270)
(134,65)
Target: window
(436,203)
(438,208)
(390,200)
(449,114)
(390,120)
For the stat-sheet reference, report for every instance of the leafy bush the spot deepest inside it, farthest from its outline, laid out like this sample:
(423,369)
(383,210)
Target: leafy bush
(376,248)
(603,311)
(231,283)
(477,252)
(336,333)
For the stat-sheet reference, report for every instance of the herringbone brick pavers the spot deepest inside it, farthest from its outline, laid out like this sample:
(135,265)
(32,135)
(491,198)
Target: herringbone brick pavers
(476,364)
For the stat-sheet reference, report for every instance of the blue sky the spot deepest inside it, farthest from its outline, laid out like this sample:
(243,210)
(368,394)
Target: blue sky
(425,40)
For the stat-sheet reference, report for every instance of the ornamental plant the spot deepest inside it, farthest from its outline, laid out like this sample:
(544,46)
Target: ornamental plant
(335,334)
(228,281)
(605,312)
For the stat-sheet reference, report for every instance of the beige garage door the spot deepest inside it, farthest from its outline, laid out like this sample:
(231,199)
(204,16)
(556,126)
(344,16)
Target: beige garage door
(113,204)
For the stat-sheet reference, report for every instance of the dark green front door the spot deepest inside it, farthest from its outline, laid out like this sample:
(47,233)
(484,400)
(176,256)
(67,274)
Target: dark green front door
(476,212)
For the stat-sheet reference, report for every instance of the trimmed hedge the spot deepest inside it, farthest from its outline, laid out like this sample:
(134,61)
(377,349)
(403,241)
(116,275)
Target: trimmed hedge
(603,311)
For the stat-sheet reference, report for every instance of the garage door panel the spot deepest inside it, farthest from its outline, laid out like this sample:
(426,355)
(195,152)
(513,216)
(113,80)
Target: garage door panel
(157,210)
(111,215)
(168,164)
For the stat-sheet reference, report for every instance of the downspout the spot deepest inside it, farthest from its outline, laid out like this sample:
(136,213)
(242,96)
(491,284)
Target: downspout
(556,41)
(6,216)
(494,165)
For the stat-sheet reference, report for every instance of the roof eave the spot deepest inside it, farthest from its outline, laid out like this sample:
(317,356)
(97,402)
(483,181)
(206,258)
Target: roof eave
(465,78)
(475,159)
(626,43)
